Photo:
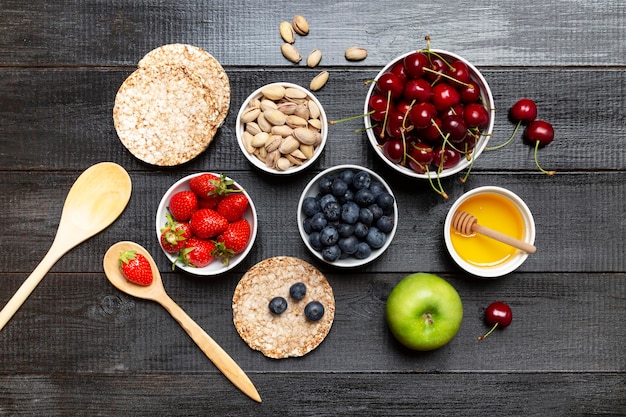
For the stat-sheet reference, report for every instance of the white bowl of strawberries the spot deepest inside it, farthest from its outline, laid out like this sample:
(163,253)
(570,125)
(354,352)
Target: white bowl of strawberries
(429,114)
(206,224)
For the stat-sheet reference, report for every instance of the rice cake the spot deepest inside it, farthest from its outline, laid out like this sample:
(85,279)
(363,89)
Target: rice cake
(289,334)
(164,116)
(200,62)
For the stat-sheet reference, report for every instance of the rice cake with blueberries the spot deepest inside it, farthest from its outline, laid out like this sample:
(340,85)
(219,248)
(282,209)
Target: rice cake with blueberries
(201,63)
(289,333)
(164,115)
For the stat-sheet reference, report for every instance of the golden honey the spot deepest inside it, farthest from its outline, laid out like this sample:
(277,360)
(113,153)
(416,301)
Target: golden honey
(495,212)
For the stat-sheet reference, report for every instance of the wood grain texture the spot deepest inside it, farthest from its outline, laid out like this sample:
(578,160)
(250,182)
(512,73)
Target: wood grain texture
(78,346)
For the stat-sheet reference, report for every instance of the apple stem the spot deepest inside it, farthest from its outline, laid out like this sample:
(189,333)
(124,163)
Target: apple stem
(489,332)
(550,173)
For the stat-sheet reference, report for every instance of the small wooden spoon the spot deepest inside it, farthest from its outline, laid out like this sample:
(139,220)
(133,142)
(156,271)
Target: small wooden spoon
(465,223)
(156,292)
(98,196)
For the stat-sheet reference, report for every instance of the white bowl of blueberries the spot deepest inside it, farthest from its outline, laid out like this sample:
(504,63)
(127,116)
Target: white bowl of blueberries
(347,216)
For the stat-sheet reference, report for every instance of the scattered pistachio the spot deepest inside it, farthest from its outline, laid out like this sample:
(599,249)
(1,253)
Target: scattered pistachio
(291,53)
(286,32)
(356,53)
(300,25)
(314,58)
(319,81)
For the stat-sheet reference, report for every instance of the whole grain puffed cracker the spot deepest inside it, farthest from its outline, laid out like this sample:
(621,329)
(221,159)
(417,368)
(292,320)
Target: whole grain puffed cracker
(163,115)
(289,334)
(200,62)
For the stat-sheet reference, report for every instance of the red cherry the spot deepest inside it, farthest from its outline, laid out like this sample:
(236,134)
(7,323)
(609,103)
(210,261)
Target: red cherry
(390,84)
(417,89)
(420,156)
(455,127)
(421,115)
(394,150)
(524,110)
(445,96)
(403,106)
(394,126)
(460,72)
(445,157)
(378,103)
(497,314)
(398,69)
(539,131)
(437,67)
(432,133)
(476,115)
(470,93)
(414,64)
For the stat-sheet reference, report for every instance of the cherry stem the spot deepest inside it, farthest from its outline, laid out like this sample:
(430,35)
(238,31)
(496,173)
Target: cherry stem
(550,173)
(489,332)
(469,169)
(382,132)
(446,75)
(347,119)
(502,145)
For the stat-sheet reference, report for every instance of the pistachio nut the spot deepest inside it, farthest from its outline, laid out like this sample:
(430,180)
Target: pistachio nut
(315,124)
(267,104)
(293,159)
(255,103)
(273,143)
(275,117)
(304,135)
(286,32)
(299,154)
(283,164)
(272,158)
(246,138)
(307,150)
(294,121)
(314,58)
(319,81)
(291,53)
(263,123)
(287,107)
(288,145)
(273,91)
(260,139)
(250,114)
(253,128)
(356,53)
(282,130)
(302,110)
(314,109)
(295,93)
(300,25)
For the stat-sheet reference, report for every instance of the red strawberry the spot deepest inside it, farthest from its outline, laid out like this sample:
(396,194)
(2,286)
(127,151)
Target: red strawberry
(209,185)
(207,223)
(135,267)
(234,239)
(182,205)
(198,252)
(174,234)
(233,206)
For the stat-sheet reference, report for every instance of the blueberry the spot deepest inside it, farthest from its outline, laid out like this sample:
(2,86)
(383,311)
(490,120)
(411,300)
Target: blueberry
(362,179)
(306,225)
(314,240)
(350,212)
(278,305)
(363,251)
(375,238)
(360,230)
(339,187)
(318,221)
(332,211)
(325,184)
(385,200)
(331,253)
(347,176)
(376,211)
(365,216)
(377,188)
(329,236)
(385,224)
(348,244)
(364,197)
(345,229)
(310,206)
(297,291)
(347,196)
(325,199)
(314,311)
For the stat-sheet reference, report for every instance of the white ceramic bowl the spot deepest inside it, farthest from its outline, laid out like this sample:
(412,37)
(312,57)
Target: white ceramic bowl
(216,267)
(486,98)
(312,190)
(517,257)
(254,160)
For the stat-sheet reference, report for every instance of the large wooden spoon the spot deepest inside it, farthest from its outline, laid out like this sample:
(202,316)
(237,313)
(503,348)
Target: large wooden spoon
(96,199)
(156,292)
(466,223)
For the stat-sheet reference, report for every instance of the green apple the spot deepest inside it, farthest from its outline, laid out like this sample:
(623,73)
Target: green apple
(424,312)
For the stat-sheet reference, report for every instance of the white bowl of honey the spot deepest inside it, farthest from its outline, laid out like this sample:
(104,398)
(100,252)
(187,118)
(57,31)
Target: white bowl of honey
(498,209)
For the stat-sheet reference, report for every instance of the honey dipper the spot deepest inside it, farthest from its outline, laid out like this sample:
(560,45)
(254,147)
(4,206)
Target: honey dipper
(465,223)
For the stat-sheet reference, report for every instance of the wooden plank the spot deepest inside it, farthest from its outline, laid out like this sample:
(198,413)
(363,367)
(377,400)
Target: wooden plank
(244,33)
(62,119)
(305,394)
(564,323)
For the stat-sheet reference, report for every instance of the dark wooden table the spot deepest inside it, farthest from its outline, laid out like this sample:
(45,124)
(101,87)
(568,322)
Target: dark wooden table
(80,347)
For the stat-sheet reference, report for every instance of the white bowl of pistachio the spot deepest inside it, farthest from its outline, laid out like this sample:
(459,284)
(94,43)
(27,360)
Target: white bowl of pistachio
(281,128)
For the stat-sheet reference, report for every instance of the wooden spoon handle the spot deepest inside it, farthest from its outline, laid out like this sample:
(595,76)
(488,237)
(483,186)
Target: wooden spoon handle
(501,237)
(29,285)
(211,349)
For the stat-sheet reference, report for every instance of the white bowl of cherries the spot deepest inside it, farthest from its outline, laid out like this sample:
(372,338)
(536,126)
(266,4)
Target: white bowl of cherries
(429,114)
